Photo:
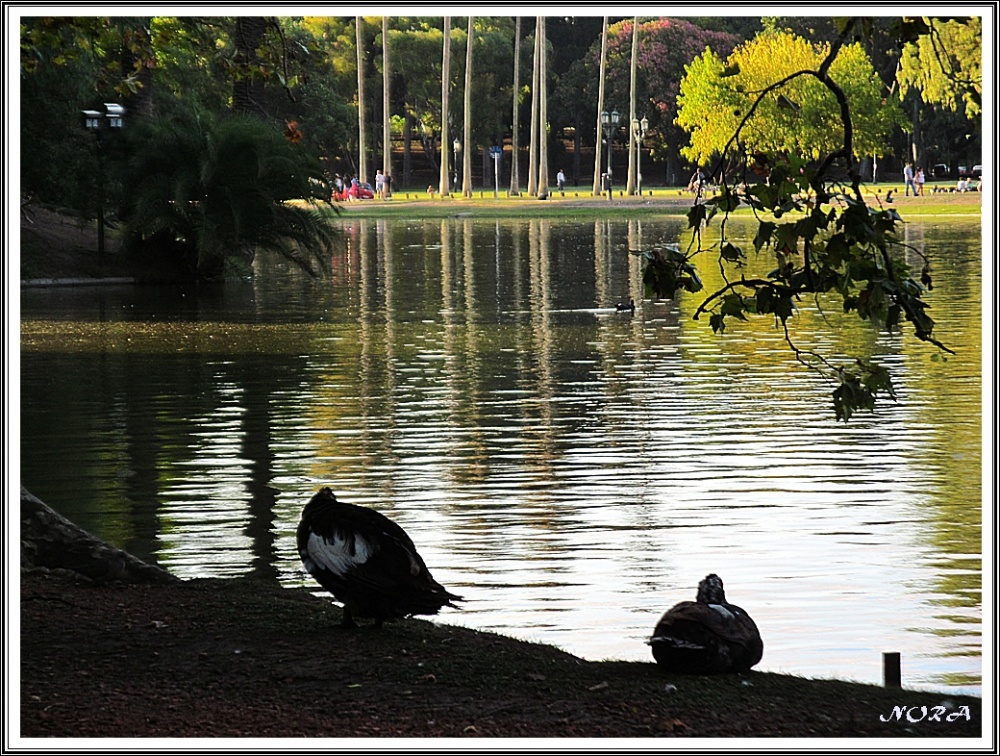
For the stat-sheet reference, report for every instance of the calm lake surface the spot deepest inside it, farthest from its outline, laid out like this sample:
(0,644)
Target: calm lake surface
(572,471)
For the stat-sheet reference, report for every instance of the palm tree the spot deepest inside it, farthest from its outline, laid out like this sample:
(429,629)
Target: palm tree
(598,163)
(386,135)
(445,78)
(533,146)
(209,194)
(248,87)
(362,145)
(467,118)
(630,186)
(515,183)
(543,112)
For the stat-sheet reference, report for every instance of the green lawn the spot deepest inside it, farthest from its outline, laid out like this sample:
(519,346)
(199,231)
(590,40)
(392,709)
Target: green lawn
(579,202)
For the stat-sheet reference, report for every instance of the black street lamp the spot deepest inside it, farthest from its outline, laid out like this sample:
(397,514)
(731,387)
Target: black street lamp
(92,121)
(610,124)
(457,146)
(639,128)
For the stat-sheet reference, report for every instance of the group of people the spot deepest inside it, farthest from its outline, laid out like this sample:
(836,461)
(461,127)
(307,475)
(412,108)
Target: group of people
(350,188)
(383,185)
(914,180)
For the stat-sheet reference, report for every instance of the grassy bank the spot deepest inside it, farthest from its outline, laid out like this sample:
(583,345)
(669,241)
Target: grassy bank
(578,202)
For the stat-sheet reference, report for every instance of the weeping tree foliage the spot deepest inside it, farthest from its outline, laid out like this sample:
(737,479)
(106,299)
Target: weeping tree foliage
(211,193)
(943,59)
(812,219)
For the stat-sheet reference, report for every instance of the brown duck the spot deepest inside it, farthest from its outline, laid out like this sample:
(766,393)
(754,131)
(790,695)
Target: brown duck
(707,636)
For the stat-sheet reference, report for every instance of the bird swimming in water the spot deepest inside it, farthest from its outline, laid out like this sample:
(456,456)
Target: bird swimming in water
(366,561)
(628,307)
(708,635)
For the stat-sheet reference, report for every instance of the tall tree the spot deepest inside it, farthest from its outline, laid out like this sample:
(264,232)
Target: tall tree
(533,146)
(386,100)
(515,181)
(944,62)
(633,68)
(445,87)
(467,117)
(543,111)
(362,121)
(248,85)
(600,109)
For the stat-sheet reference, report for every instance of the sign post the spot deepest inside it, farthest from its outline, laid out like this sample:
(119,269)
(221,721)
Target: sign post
(496,152)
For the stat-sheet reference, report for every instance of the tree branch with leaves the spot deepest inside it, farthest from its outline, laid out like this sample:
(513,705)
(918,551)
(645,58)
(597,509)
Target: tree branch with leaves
(790,156)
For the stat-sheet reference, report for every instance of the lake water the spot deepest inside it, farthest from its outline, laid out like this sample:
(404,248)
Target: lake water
(572,471)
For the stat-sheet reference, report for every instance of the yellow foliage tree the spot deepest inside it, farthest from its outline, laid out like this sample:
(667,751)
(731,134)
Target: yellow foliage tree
(801,117)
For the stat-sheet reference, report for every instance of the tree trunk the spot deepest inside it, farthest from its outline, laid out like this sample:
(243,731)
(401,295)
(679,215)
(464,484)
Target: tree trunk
(136,58)
(467,118)
(631,184)
(362,136)
(248,87)
(445,79)
(386,134)
(533,147)
(407,145)
(50,541)
(598,162)
(543,112)
(515,143)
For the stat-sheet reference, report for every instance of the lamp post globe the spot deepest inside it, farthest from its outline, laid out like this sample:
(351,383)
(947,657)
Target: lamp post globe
(92,121)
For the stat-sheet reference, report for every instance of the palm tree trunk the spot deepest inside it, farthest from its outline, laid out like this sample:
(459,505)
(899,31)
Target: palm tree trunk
(362,142)
(467,118)
(515,181)
(386,136)
(533,147)
(138,102)
(445,77)
(630,186)
(543,113)
(248,90)
(598,162)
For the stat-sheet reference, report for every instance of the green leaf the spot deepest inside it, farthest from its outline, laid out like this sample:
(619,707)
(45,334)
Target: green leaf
(696,216)
(731,253)
(734,306)
(764,232)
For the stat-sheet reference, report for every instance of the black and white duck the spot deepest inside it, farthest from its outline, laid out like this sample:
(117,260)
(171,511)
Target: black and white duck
(366,561)
(628,307)
(708,635)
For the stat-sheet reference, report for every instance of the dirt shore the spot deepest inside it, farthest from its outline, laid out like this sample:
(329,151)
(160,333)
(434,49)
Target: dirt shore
(246,658)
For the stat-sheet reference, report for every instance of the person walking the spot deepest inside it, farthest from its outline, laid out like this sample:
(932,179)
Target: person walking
(920,182)
(561,182)
(908,177)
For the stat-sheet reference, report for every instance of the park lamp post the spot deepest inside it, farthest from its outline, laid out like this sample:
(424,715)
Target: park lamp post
(93,121)
(457,147)
(609,121)
(639,128)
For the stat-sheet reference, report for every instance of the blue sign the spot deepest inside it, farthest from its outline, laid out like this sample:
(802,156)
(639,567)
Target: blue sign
(494,151)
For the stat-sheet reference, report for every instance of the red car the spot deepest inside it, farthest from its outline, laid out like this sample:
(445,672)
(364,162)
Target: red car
(361,190)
